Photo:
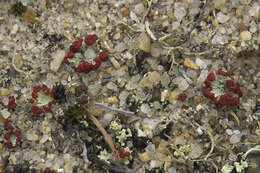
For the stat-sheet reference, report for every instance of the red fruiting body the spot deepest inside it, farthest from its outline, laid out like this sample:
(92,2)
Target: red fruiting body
(122,153)
(91,39)
(207,82)
(75,47)
(103,56)
(8,126)
(79,48)
(11,103)
(10,134)
(34,100)
(185,107)
(182,97)
(48,170)
(230,85)
(211,76)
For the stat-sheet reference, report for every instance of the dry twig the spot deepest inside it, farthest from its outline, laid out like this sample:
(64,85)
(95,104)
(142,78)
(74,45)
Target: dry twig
(104,133)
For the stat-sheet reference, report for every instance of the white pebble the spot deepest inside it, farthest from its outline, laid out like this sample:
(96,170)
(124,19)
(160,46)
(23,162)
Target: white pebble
(57,59)
(229,132)
(5,113)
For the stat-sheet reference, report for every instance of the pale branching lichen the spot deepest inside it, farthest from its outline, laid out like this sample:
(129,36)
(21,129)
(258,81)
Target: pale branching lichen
(104,155)
(123,135)
(115,126)
(227,169)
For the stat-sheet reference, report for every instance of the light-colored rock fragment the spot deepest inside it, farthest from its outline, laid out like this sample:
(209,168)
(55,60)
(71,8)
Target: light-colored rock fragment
(31,135)
(139,8)
(5,113)
(57,59)
(5,91)
(190,64)
(150,79)
(144,42)
(156,50)
(18,62)
(182,83)
(195,150)
(174,95)
(245,35)
(144,157)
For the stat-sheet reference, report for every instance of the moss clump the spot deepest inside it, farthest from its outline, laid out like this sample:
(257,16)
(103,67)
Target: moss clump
(18,9)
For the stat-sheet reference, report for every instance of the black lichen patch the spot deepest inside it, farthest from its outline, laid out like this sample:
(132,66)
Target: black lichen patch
(59,94)
(18,9)
(166,131)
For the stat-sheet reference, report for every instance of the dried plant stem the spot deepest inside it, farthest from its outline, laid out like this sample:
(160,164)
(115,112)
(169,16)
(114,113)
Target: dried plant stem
(235,116)
(256,148)
(105,134)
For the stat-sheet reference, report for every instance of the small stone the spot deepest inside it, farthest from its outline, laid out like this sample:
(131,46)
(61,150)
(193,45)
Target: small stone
(199,131)
(150,79)
(239,12)
(144,157)
(229,132)
(81,1)
(198,99)
(111,100)
(232,157)
(245,35)
(164,95)
(179,13)
(31,135)
(18,62)
(214,22)
(57,59)
(5,113)
(134,17)
(190,64)
(202,77)
(144,42)
(125,13)
(222,18)
(117,36)
(14,29)
(114,62)
(29,16)
(219,39)
(182,83)
(120,47)
(219,3)
(235,138)
(195,150)
(112,86)
(139,8)
(165,80)
(156,50)
(1,118)
(201,63)
(172,170)
(170,14)
(174,95)
(1,166)
(145,108)
(5,91)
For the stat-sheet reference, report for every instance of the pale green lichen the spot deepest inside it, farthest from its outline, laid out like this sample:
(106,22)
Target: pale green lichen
(240,166)
(227,168)
(104,155)
(122,136)
(182,151)
(43,99)
(219,85)
(115,126)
